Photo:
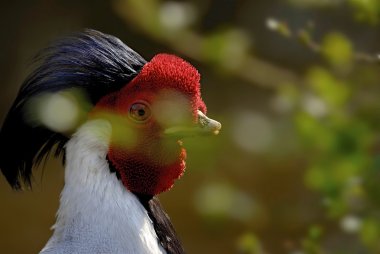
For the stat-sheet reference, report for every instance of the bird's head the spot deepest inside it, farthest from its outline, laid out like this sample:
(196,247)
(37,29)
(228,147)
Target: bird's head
(151,106)
(149,117)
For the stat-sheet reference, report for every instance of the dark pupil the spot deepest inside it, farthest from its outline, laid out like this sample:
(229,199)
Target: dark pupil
(141,112)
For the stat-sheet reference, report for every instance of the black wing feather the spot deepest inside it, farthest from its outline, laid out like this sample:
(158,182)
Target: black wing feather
(95,62)
(165,231)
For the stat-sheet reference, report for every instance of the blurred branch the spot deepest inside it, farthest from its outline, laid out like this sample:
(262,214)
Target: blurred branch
(316,47)
(227,51)
(304,36)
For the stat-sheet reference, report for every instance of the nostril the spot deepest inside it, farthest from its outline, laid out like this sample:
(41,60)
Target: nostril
(203,122)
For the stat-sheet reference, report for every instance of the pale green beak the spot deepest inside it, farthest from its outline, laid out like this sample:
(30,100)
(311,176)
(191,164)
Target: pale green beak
(205,126)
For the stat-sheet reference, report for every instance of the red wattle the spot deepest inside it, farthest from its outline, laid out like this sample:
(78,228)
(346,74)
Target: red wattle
(144,176)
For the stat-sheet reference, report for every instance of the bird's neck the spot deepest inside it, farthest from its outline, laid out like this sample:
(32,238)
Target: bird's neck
(97,214)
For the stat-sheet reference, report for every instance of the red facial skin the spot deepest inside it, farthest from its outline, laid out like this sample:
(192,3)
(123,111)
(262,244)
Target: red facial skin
(154,162)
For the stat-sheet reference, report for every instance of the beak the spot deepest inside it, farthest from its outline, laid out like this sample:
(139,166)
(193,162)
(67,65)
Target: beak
(205,126)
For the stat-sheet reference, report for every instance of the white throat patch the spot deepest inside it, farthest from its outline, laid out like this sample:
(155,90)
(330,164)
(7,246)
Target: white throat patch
(97,214)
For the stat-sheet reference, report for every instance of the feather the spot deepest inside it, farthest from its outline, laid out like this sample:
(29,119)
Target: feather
(94,62)
(165,231)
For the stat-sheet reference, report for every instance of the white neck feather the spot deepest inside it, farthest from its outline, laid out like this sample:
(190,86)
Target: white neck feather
(97,214)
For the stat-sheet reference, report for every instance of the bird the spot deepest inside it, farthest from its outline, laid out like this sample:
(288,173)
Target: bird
(125,149)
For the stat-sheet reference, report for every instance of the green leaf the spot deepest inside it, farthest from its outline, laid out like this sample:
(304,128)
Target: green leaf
(337,49)
(366,10)
(333,91)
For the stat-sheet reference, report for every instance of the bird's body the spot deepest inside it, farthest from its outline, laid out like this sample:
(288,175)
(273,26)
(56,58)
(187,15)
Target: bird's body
(124,151)
(89,218)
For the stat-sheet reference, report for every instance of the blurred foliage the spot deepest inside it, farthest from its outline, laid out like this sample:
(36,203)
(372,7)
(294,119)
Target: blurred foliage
(311,243)
(339,141)
(337,49)
(227,48)
(368,11)
(249,244)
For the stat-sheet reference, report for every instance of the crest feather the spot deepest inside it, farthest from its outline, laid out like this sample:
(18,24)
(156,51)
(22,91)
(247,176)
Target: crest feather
(92,61)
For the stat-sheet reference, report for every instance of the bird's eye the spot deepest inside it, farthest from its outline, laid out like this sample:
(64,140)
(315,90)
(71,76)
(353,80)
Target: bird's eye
(139,112)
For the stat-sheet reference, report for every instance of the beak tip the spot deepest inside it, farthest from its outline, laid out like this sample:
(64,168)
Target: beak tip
(206,126)
(218,127)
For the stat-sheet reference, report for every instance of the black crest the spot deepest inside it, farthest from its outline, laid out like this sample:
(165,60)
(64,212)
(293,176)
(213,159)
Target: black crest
(95,62)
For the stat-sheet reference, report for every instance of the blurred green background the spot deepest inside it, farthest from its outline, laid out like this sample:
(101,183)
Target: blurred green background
(296,168)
